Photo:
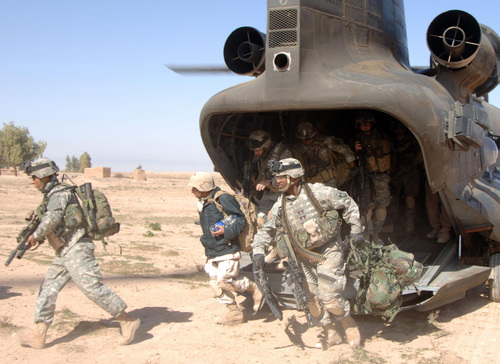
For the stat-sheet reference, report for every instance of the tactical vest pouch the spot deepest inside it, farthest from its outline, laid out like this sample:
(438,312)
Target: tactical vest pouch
(73,216)
(55,241)
(281,246)
(324,176)
(320,230)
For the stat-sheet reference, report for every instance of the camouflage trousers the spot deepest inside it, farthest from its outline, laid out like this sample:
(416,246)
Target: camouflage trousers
(223,272)
(326,282)
(80,265)
(381,189)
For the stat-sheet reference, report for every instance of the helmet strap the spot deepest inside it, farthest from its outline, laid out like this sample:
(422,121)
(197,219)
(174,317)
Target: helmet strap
(48,185)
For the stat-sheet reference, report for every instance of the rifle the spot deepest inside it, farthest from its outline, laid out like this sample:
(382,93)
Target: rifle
(296,277)
(247,179)
(363,203)
(260,278)
(23,236)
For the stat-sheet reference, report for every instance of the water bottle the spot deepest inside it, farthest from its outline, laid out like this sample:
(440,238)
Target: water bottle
(225,222)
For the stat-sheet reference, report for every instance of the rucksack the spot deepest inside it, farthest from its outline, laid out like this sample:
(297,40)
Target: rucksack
(386,271)
(98,217)
(245,238)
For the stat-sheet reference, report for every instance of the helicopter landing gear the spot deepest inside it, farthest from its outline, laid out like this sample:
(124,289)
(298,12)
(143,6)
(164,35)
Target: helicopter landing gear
(494,281)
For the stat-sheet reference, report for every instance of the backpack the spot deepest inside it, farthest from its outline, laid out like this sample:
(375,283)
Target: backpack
(97,214)
(386,271)
(245,238)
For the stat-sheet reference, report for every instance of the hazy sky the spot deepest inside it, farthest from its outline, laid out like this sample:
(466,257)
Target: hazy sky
(89,76)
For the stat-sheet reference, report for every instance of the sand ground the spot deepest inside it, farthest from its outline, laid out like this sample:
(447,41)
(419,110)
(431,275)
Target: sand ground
(159,274)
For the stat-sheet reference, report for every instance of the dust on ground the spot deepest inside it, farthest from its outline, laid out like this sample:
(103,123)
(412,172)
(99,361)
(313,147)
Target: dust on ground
(159,273)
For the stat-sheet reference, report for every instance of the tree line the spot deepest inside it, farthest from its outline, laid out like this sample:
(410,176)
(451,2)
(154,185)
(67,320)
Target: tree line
(17,146)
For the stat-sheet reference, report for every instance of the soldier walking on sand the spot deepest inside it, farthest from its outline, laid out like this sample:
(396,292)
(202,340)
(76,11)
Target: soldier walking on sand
(61,222)
(222,250)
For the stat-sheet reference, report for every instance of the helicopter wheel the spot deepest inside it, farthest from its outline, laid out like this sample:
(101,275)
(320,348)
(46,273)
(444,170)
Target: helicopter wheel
(494,283)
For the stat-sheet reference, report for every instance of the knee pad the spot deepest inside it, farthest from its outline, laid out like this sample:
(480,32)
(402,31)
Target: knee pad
(410,202)
(335,307)
(380,213)
(315,308)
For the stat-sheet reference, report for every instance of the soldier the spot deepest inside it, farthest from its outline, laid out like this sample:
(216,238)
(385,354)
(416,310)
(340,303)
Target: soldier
(405,176)
(261,179)
(326,159)
(318,246)
(374,155)
(221,246)
(61,222)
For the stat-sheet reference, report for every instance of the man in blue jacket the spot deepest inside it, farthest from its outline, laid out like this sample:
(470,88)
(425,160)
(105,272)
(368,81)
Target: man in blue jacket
(221,245)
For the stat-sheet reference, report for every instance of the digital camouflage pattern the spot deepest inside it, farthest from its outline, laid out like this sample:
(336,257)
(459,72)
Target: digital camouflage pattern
(78,264)
(325,281)
(329,198)
(259,171)
(75,260)
(326,160)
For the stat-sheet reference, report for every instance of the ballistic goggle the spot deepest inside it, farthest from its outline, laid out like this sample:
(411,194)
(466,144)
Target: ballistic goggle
(255,144)
(28,168)
(277,166)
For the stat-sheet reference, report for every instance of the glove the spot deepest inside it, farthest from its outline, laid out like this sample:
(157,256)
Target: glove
(357,238)
(258,260)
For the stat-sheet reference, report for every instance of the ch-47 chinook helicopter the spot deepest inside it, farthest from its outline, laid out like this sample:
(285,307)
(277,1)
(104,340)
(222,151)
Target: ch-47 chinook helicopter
(323,61)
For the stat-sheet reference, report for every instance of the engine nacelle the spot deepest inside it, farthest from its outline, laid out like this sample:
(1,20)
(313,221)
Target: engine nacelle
(471,51)
(244,51)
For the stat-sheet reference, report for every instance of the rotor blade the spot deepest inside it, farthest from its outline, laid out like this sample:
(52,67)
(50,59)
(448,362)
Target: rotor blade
(189,70)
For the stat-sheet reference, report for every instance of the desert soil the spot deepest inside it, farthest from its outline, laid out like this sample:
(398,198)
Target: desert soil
(159,273)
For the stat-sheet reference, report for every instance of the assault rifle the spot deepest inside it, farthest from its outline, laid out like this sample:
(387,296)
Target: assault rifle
(295,277)
(23,236)
(361,196)
(261,280)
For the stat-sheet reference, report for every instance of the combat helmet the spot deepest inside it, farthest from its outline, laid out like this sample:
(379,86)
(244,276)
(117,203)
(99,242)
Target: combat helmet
(202,181)
(364,116)
(259,139)
(40,168)
(305,130)
(287,167)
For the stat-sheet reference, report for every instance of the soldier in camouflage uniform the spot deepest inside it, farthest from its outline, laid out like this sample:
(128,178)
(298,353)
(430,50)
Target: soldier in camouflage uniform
(326,159)
(405,175)
(61,222)
(321,256)
(374,155)
(261,178)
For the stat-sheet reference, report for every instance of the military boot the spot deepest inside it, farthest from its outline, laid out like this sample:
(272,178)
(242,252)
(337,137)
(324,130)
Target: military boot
(351,331)
(129,326)
(331,337)
(443,236)
(234,315)
(36,338)
(256,295)
(434,233)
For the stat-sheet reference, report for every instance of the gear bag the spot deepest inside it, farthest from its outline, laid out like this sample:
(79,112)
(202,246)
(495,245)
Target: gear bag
(245,238)
(386,271)
(98,217)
